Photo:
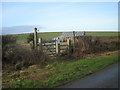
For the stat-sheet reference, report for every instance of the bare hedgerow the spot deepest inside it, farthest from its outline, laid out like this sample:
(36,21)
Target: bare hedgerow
(21,57)
(92,45)
(17,56)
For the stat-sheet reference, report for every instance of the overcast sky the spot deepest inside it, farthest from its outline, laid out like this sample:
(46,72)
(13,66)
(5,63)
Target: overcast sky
(22,17)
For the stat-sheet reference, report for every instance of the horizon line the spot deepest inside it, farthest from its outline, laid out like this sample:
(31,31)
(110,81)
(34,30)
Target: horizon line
(61,31)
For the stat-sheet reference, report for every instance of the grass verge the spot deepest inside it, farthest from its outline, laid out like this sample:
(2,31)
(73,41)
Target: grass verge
(61,72)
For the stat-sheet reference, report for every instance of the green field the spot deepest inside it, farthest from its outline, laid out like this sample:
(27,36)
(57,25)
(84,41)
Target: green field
(102,34)
(22,38)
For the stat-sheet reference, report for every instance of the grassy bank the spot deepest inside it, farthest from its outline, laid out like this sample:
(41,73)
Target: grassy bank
(59,71)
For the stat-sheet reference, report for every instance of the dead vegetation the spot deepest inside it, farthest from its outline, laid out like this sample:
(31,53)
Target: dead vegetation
(93,45)
(18,57)
(26,61)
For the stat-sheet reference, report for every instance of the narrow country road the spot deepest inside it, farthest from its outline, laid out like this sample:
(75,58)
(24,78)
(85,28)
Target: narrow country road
(106,78)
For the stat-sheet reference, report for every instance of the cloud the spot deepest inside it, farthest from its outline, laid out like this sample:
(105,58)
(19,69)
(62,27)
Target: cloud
(19,29)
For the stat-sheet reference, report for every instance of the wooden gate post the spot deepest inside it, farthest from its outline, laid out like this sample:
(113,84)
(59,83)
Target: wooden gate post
(54,44)
(73,41)
(57,46)
(68,43)
(35,38)
(40,41)
(84,33)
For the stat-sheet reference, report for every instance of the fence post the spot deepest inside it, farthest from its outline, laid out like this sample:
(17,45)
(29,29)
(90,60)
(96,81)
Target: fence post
(35,38)
(54,43)
(68,43)
(73,41)
(40,40)
(84,33)
(57,46)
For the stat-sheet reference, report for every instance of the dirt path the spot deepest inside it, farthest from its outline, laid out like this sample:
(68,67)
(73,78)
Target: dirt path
(106,78)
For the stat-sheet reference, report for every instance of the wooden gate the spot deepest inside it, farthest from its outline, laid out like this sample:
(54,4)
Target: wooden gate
(57,46)
(54,47)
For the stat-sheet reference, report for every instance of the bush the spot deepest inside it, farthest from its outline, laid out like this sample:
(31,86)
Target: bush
(30,38)
(19,56)
(92,45)
(8,43)
(7,40)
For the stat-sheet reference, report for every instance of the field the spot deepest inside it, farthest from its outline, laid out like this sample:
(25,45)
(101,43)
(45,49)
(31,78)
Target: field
(102,34)
(22,38)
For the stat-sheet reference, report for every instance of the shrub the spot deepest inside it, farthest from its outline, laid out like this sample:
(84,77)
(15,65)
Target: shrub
(92,45)
(7,39)
(8,43)
(30,37)
(19,56)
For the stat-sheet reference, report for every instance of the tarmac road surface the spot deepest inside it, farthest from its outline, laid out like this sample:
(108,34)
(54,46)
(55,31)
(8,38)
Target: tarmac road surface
(106,78)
